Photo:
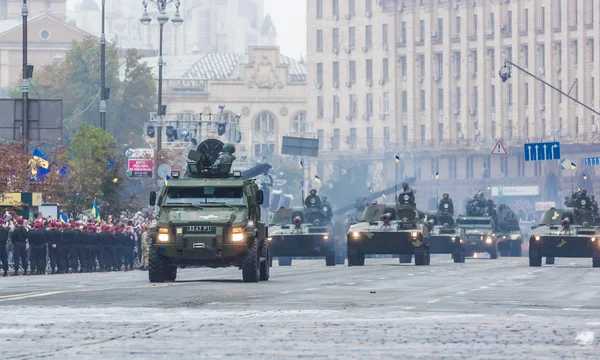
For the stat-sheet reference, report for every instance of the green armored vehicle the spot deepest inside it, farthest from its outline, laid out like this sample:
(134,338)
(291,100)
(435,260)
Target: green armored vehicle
(390,229)
(210,217)
(306,231)
(568,232)
(446,237)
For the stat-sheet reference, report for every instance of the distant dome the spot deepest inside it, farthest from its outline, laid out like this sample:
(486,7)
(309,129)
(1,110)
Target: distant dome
(88,5)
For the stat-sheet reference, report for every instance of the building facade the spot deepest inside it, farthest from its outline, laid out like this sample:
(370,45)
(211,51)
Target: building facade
(420,79)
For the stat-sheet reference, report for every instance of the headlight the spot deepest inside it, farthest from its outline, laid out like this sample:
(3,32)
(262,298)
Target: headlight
(237,234)
(250,223)
(355,234)
(453,238)
(593,239)
(163,237)
(325,237)
(269,238)
(414,234)
(537,238)
(488,240)
(462,241)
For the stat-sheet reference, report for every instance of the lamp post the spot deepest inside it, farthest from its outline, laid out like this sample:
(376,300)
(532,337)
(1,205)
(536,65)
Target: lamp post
(161,6)
(103,74)
(25,83)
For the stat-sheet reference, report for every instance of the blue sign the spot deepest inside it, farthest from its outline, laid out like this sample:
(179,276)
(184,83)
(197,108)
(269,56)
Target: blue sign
(592,161)
(542,151)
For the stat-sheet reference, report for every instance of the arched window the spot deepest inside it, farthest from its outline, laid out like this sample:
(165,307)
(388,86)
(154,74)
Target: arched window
(299,123)
(264,122)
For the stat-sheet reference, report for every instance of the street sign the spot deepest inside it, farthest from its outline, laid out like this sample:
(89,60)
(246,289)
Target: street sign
(542,151)
(499,149)
(592,161)
(140,168)
(565,164)
(140,153)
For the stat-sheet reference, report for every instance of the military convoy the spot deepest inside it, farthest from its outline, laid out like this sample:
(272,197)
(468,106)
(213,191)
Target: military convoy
(210,217)
(571,232)
(306,231)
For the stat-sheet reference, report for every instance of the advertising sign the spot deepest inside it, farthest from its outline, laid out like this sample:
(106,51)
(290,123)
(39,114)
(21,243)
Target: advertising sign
(140,153)
(544,205)
(140,168)
(515,190)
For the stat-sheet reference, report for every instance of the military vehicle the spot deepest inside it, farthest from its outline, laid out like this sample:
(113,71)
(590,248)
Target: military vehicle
(389,229)
(568,232)
(305,232)
(446,237)
(508,232)
(210,217)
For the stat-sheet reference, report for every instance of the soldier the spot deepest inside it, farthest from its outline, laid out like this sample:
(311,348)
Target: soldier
(129,241)
(326,205)
(146,245)
(105,248)
(4,230)
(118,248)
(225,158)
(37,242)
(19,239)
(53,238)
(594,204)
(74,246)
(480,199)
(65,251)
(407,195)
(93,246)
(446,204)
(583,201)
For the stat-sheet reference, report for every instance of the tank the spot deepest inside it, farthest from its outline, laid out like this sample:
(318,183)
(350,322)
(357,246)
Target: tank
(209,217)
(446,237)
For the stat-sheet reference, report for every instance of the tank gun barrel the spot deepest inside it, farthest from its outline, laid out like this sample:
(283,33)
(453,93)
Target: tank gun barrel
(374,196)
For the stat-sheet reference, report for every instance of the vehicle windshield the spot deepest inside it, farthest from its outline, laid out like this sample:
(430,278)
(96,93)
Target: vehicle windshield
(225,195)
(475,223)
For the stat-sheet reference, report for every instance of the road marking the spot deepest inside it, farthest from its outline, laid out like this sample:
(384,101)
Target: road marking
(433,301)
(500,281)
(310,289)
(483,287)
(585,338)
(21,294)
(287,292)
(350,283)
(368,280)
(411,274)
(33,295)
(493,284)
(461,293)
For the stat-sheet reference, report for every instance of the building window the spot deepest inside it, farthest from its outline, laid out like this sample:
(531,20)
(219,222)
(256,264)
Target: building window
(403,66)
(542,19)
(526,56)
(336,72)
(439,60)
(525,22)
(386,70)
(592,91)
(558,47)
(403,33)
(352,72)
(474,99)
(474,25)
(264,122)
(352,37)
(335,142)
(321,137)
(440,29)
(299,123)
(474,59)
(591,49)
(575,54)
(386,102)
(509,96)
(492,59)
(493,96)
(404,101)
(369,70)
(543,94)
(335,38)
(404,133)
(384,34)
(422,65)
(510,129)
(336,106)
(368,36)
(440,94)
(45,35)
(457,61)
(319,40)
(423,130)
(320,110)
(560,97)
(368,5)
(369,104)
(351,7)
(457,29)
(509,22)
(526,94)
(458,98)
(422,100)
(441,132)
(386,135)
(319,9)
(352,140)
(353,104)
(369,138)
(541,55)
(421,31)
(320,73)
(335,7)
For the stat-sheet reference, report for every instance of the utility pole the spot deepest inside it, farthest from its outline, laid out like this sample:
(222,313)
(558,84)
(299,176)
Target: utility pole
(25,83)
(103,74)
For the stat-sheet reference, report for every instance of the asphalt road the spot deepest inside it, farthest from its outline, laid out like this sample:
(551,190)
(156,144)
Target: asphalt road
(483,309)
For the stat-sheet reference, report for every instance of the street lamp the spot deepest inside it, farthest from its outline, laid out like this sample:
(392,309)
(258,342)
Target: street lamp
(163,18)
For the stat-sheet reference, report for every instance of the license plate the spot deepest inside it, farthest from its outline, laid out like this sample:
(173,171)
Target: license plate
(474,243)
(198,229)
(199,245)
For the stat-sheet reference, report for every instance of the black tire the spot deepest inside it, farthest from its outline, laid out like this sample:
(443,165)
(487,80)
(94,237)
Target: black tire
(535,259)
(459,256)
(156,268)
(354,258)
(596,260)
(170,272)
(265,261)
(330,260)
(340,259)
(251,264)
(515,249)
(285,261)
(494,253)
(405,259)
(422,257)
(549,260)
(504,253)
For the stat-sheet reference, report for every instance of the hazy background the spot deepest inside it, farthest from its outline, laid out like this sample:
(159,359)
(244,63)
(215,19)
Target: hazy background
(289,18)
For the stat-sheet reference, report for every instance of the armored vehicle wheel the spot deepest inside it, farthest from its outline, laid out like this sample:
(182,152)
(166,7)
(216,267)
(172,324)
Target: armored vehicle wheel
(330,260)
(355,259)
(459,256)
(265,261)
(494,253)
(596,260)
(156,268)
(422,257)
(515,249)
(504,253)
(549,260)
(285,261)
(535,258)
(405,259)
(170,272)
(251,264)
(339,259)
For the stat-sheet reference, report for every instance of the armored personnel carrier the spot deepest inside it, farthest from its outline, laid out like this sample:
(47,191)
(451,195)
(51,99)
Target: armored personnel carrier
(508,232)
(389,229)
(210,217)
(305,232)
(480,227)
(446,237)
(568,232)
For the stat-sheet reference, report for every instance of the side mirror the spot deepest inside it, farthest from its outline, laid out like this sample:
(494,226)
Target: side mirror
(152,198)
(260,197)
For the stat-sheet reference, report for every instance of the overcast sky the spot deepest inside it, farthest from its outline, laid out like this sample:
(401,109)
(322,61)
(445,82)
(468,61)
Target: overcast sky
(289,17)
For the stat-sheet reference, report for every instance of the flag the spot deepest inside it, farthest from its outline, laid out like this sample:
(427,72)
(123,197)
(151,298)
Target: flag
(437,175)
(167,178)
(63,217)
(111,164)
(397,158)
(95,211)
(301,164)
(40,158)
(317,178)
(573,166)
